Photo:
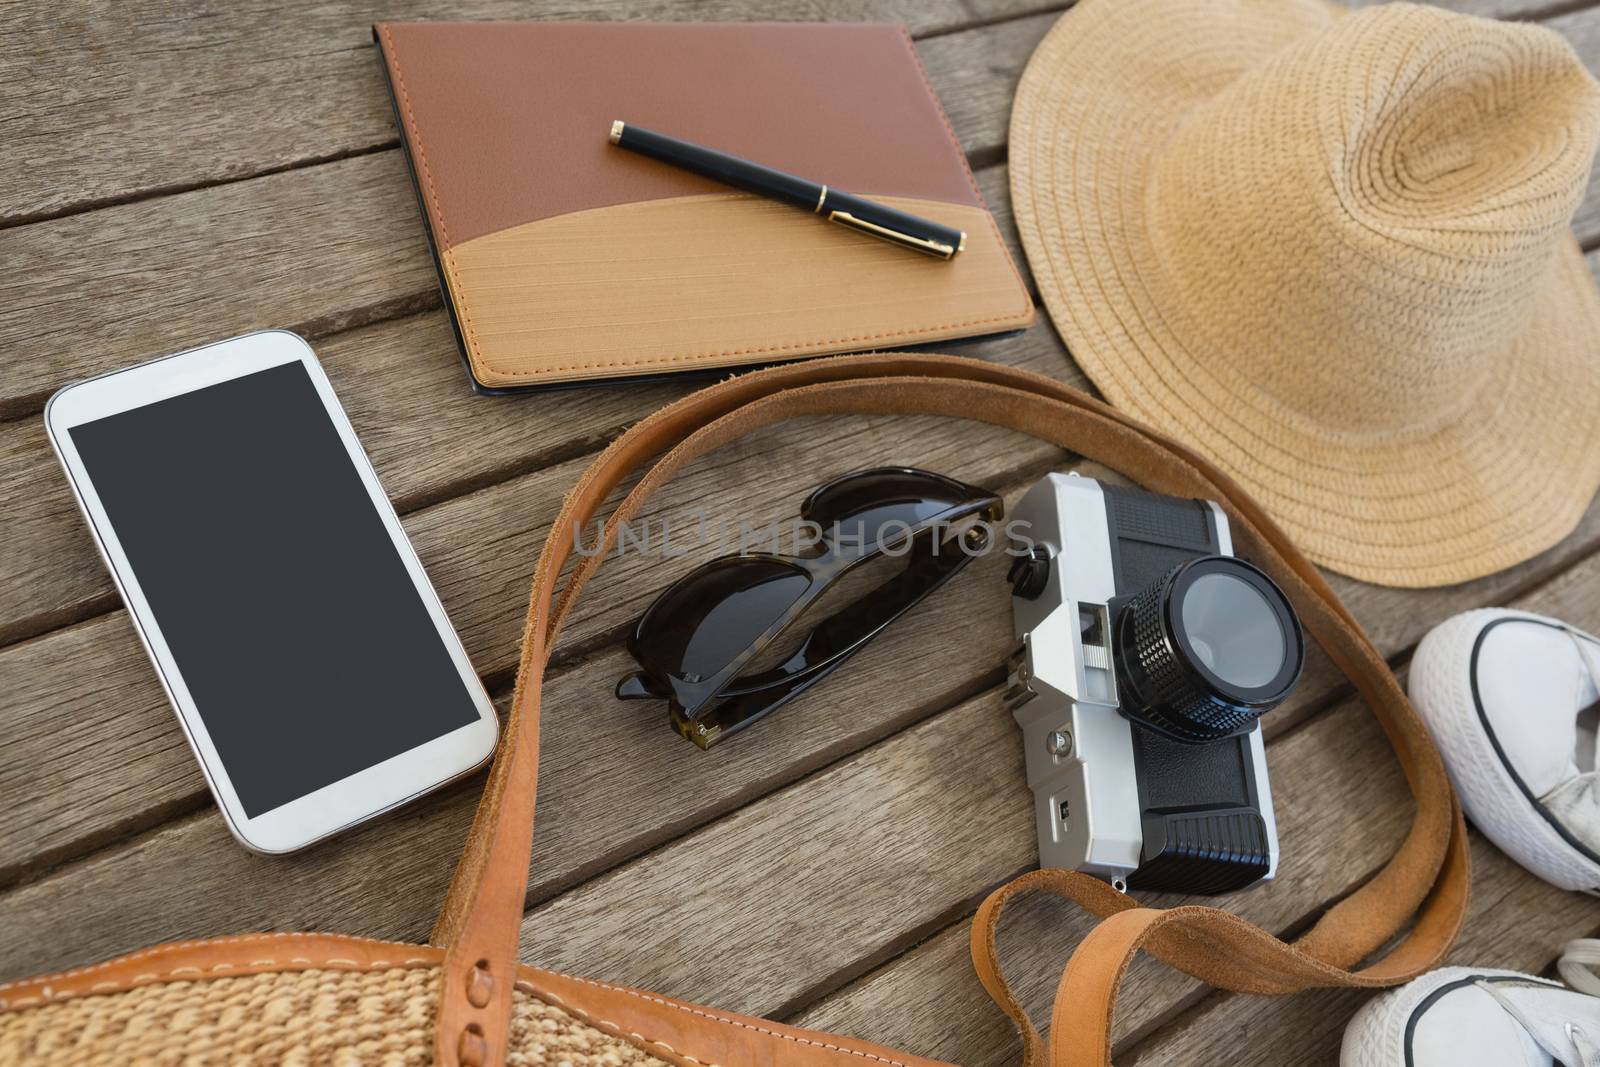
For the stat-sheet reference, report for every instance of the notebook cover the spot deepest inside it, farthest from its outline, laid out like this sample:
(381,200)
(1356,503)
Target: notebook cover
(564,258)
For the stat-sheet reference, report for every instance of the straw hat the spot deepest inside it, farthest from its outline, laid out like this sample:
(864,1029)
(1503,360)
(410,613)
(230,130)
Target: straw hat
(1330,251)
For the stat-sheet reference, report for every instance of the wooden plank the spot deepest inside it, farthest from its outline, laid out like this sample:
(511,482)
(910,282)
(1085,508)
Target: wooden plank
(127,764)
(429,438)
(928,1001)
(316,249)
(143,101)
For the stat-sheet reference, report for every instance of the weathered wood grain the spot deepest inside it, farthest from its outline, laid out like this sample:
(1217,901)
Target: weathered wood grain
(141,98)
(315,249)
(928,1000)
(479,550)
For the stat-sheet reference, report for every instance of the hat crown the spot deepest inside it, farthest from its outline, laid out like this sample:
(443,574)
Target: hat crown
(1374,210)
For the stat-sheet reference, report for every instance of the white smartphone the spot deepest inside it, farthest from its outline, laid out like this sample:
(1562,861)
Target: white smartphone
(310,662)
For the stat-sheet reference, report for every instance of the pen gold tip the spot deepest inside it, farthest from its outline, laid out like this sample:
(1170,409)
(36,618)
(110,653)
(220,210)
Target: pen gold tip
(616,131)
(962,247)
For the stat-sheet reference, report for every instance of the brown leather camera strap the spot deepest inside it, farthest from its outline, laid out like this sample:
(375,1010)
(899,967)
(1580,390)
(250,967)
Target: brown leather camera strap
(1423,886)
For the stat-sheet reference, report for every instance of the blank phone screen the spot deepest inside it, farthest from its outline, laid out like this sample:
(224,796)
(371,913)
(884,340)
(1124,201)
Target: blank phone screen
(307,649)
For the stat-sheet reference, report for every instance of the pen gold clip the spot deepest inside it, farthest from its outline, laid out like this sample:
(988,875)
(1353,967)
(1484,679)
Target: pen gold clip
(919,244)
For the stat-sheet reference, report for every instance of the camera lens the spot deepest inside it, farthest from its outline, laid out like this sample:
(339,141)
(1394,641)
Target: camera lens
(1233,630)
(1206,650)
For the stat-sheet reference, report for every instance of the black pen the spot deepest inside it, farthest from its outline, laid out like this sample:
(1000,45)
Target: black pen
(907,231)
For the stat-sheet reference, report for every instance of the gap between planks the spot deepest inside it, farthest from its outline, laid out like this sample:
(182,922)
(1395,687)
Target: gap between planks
(136,195)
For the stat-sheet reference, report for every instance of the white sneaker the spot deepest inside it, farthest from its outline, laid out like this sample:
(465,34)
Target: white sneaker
(1467,1017)
(1509,698)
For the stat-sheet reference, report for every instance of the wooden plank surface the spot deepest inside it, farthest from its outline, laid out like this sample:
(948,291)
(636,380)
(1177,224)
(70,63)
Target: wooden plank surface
(823,868)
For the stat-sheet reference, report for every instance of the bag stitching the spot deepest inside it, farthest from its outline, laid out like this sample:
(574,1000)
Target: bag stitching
(51,995)
(651,998)
(915,332)
(605,1024)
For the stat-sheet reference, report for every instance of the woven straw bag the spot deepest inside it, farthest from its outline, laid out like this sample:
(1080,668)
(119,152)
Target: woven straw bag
(466,1000)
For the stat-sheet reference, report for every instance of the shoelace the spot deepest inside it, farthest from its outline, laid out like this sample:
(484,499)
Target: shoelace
(1580,958)
(1577,965)
(1576,969)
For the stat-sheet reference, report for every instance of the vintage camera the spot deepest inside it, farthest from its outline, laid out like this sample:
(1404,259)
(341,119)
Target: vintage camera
(1148,654)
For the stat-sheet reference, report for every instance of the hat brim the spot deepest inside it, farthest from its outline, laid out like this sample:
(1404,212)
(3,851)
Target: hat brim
(1473,493)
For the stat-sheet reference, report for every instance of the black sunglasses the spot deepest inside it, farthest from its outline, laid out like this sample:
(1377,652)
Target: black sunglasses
(700,633)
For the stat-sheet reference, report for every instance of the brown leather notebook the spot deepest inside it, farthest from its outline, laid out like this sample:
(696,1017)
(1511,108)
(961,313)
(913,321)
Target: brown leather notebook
(563,258)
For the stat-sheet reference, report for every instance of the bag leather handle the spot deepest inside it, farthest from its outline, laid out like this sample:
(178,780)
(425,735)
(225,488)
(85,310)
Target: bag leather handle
(1426,879)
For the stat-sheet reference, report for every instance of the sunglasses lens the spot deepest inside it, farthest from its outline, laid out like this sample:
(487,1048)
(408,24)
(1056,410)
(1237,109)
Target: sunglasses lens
(701,624)
(876,508)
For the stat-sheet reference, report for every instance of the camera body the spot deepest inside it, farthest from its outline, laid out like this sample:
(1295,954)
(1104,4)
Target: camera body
(1146,762)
